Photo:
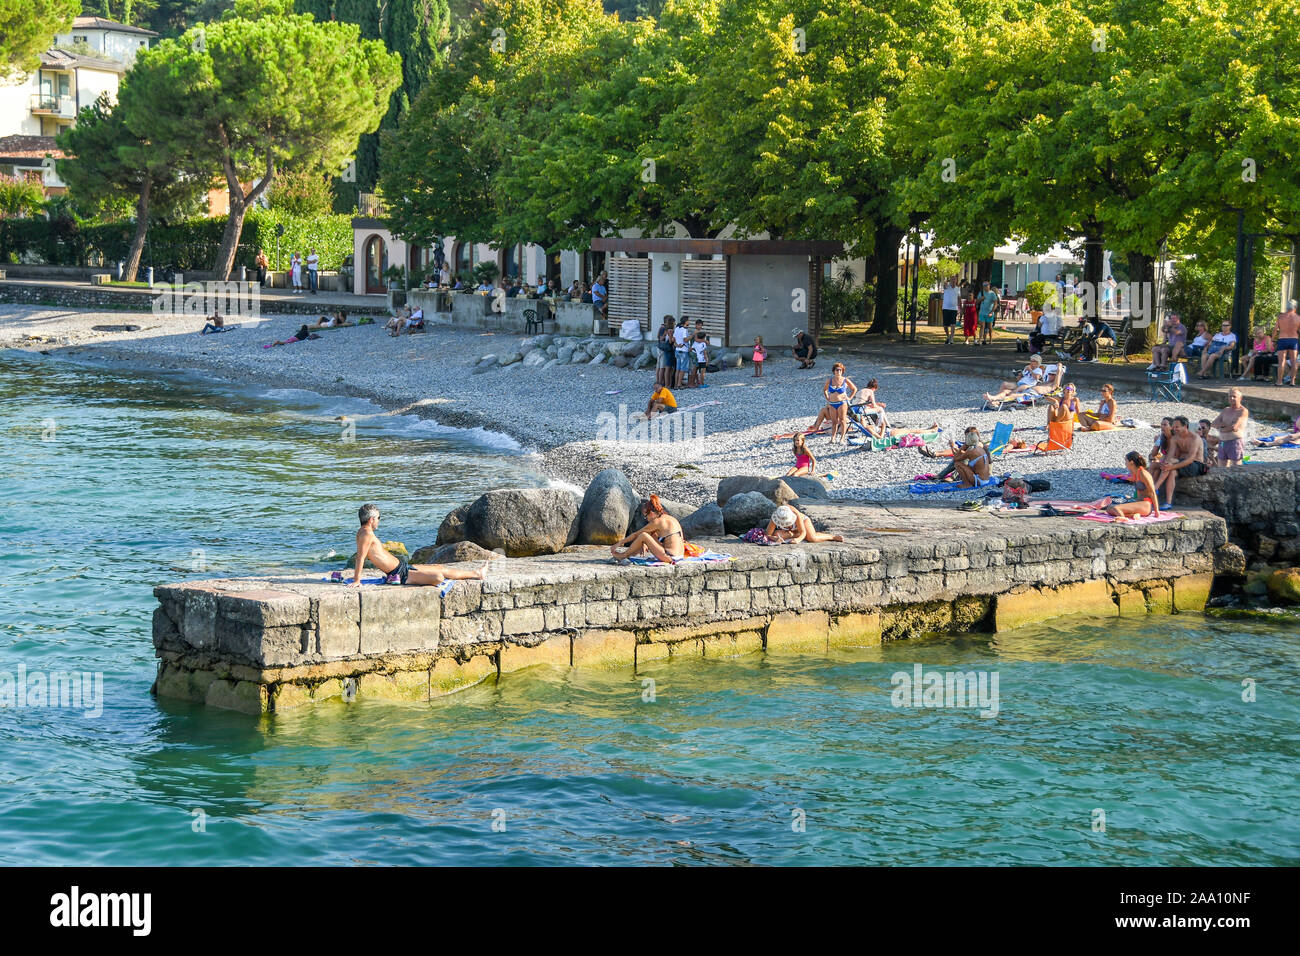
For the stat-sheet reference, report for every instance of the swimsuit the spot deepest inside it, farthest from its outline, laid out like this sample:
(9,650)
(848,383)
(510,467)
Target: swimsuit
(402,571)
(803,461)
(838,390)
(1288,345)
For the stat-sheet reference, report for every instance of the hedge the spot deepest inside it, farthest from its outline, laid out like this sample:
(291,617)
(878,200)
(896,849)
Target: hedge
(189,246)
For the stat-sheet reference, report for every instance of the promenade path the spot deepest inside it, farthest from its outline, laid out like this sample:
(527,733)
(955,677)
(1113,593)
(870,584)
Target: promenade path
(1000,360)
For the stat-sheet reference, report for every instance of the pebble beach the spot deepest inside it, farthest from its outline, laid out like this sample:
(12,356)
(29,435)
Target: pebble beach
(573,416)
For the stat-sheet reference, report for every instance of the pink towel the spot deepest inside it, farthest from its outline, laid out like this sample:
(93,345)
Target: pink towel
(1146,519)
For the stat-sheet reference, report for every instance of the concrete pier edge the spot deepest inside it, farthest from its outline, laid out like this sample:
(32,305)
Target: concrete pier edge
(271,644)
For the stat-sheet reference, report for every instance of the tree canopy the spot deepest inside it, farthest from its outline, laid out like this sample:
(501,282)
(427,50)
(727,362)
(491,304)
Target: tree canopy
(27,28)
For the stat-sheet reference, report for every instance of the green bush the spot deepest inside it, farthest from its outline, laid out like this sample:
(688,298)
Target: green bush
(485,272)
(188,246)
(1037,294)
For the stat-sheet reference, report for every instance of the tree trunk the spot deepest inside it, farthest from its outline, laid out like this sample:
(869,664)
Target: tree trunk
(1094,260)
(983,273)
(141,230)
(239,203)
(1142,268)
(885,320)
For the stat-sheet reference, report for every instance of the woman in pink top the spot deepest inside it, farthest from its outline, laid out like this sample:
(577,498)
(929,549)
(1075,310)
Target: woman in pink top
(1263,348)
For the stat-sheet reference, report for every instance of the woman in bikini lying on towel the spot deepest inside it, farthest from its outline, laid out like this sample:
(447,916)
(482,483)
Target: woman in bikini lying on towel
(661,536)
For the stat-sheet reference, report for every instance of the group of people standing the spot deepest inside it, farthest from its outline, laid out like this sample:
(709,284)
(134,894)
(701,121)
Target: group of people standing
(978,308)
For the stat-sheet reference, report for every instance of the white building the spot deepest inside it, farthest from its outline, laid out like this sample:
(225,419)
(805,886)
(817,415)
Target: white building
(83,64)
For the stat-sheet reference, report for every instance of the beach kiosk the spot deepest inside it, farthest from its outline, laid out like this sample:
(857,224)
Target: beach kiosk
(739,287)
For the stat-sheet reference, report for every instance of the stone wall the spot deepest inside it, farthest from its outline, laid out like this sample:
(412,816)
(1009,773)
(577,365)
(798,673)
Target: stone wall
(272,643)
(474,312)
(1261,505)
(141,300)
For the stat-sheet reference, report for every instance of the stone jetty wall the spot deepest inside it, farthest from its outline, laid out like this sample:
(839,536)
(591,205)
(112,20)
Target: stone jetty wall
(1260,503)
(277,642)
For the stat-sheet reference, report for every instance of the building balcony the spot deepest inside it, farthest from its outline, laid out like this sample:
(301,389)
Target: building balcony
(44,104)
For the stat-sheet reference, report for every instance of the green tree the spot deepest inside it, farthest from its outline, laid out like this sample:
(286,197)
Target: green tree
(486,106)
(27,28)
(254,112)
(303,192)
(792,126)
(110,165)
(616,153)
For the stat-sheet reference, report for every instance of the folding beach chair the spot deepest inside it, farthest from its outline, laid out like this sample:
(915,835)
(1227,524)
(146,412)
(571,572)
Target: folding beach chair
(1001,439)
(1060,437)
(1167,385)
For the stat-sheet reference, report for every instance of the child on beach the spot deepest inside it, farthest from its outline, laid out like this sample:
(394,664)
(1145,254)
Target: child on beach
(660,402)
(804,462)
(760,356)
(700,349)
(396,570)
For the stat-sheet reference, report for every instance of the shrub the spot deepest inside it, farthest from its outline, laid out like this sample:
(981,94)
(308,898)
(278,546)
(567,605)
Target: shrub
(1037,294)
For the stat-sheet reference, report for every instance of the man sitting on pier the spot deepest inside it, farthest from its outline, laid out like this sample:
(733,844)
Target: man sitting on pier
(395,569)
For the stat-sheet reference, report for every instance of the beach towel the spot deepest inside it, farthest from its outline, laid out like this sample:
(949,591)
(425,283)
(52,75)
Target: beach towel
(929,488)
(806,431)
(1145,519)
(704,557)
(341,577)
(1123,479)
(1274,438)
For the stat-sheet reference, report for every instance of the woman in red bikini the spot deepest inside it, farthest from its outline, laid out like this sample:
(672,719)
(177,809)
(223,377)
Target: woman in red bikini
(1145,501)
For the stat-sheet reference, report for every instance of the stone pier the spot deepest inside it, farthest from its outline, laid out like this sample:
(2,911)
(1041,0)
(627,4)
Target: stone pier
(271,643)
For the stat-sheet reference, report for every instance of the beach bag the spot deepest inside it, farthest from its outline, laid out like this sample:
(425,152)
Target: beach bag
(1038,485)
(756,536)
(1180,374)
(911,441)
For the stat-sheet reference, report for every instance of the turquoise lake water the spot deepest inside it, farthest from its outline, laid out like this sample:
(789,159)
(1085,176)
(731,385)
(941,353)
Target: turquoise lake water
(110,483)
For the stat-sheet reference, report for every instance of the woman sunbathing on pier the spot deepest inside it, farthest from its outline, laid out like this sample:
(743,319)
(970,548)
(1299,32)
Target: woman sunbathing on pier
(789,525)
(1145,500)
(661,537)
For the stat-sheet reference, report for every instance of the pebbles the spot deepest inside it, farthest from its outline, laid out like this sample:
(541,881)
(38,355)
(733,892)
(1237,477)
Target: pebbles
(562,409)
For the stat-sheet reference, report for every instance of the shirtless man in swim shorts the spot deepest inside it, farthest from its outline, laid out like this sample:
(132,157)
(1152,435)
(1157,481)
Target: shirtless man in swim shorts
(395,569)
(1288,342)
(1232,424)
(1184,459)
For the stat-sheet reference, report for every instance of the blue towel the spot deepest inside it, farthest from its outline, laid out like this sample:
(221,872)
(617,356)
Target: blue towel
(930,487)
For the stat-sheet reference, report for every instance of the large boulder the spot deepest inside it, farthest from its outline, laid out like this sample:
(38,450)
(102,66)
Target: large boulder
(774,489)
(456,553)
(510,358)
(565,354)
(705,522)
(1229,561)
(806,487)
(1284,585)
(523,522)
(749,509)
(607,508)
(644,360)
(535,357)
(452,528)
